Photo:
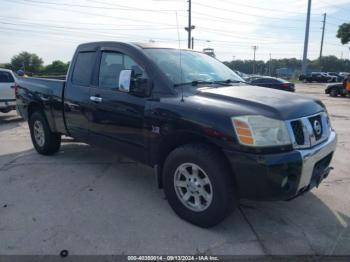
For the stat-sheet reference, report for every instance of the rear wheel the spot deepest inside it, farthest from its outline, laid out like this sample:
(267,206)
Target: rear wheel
(334,92)
(45,142)
(198,185)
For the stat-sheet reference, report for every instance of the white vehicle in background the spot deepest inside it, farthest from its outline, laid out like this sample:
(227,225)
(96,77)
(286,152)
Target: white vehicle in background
(330,77)
(7,92)
(344,74)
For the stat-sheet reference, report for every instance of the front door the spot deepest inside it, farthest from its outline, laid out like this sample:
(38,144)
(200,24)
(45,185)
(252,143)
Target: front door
(117,117)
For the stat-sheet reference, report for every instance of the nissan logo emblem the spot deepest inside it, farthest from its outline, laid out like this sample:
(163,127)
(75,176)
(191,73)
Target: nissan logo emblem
(317,127)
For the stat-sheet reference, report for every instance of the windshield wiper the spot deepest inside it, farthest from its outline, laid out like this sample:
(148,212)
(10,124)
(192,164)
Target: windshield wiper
(228,82)
(194,83)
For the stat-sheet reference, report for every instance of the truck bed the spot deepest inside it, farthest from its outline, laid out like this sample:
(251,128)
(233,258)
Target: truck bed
(45,92)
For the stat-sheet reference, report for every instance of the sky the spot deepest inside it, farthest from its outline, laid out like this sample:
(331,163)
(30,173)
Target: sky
(53,28)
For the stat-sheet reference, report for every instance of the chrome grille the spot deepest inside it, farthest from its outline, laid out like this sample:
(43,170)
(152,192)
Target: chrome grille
(297,127)
(309,131)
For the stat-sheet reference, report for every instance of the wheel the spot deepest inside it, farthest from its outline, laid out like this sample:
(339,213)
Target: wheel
(334,92)
(198,185)
(45,142)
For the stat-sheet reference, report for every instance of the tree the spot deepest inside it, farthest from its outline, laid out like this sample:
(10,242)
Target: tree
(292,65)
(56,68)
(344,33)
(27,61)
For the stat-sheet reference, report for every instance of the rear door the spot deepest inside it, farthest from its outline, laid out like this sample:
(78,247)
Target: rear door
(6,83)
(77,94)
(261,82)
(276,84)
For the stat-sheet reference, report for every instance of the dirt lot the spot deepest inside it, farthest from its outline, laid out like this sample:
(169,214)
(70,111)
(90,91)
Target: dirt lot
(88,201)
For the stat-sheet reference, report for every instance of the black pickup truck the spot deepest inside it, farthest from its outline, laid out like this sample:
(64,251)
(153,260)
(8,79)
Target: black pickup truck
(211,138)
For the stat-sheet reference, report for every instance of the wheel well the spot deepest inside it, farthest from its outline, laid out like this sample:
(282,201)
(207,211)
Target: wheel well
(33,107)
(172,142)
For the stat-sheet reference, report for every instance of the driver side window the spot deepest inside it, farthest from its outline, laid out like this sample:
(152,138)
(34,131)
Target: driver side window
(112,63)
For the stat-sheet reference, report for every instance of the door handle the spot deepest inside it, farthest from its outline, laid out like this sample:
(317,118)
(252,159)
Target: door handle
(96,99)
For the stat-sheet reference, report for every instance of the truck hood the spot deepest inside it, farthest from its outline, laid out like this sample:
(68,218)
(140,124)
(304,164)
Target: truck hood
(264,101)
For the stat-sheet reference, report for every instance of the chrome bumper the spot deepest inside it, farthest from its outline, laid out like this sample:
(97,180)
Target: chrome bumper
(311,156)
(6,104)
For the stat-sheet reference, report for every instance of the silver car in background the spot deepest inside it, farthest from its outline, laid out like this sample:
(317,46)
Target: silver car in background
(7,92)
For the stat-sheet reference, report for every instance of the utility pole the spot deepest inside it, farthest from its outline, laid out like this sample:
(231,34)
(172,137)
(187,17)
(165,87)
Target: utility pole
(192,42)
(270,73)
(306,42)
(323,28)
(190,26)
(255,47)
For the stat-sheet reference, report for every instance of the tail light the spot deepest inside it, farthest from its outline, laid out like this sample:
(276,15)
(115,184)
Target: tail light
(285,85)
(15,88)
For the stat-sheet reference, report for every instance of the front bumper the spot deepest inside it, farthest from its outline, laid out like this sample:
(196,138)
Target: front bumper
(282,176)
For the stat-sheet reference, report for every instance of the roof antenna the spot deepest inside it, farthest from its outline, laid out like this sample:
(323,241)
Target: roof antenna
(181,75)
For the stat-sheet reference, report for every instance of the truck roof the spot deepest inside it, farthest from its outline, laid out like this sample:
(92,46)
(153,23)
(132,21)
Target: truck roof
(134,44)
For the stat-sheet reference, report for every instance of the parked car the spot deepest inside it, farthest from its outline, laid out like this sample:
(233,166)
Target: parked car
(271,82)
(211,138)
(331,78)
(241,74)
(344,74)
(315,77)
(342,89)
(7,94)
(338,78)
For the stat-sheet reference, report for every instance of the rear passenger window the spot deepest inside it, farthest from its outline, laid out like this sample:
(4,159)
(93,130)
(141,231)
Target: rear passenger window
(6,77)
(83,68)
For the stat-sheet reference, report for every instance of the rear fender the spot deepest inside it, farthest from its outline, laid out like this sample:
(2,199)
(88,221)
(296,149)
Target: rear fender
(37,106)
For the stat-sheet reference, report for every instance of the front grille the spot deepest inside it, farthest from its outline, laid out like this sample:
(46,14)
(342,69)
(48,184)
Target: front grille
(297,127)
(316,124)
(310,130)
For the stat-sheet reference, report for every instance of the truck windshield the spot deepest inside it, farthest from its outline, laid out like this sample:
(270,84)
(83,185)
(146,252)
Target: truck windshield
(195,67)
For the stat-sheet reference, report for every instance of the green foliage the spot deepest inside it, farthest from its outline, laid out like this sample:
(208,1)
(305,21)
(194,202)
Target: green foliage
(27,61)
(327,64)
(344,33)
(56,68)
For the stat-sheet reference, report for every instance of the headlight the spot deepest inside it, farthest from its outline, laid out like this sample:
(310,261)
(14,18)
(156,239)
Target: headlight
(260,131)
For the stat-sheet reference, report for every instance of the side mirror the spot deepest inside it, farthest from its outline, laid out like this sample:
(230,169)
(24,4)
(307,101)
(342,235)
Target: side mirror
(125,79)
(136,85)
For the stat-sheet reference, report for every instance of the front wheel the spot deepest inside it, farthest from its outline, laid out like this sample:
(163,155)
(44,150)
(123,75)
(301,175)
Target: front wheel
(334,92)
(198,185)
(44,140)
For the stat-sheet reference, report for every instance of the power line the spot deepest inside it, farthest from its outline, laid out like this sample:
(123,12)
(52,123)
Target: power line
(244,13)
(120,7)
(86,13)
(229,20)
(87,28)
(80,23)
(262,8)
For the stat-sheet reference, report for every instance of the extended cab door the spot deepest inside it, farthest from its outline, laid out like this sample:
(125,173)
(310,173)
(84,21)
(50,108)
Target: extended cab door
(77,94)
(117,117)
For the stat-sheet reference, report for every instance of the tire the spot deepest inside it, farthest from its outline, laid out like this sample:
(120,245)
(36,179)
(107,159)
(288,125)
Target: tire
(45,142)
(213,177)
(334,92)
